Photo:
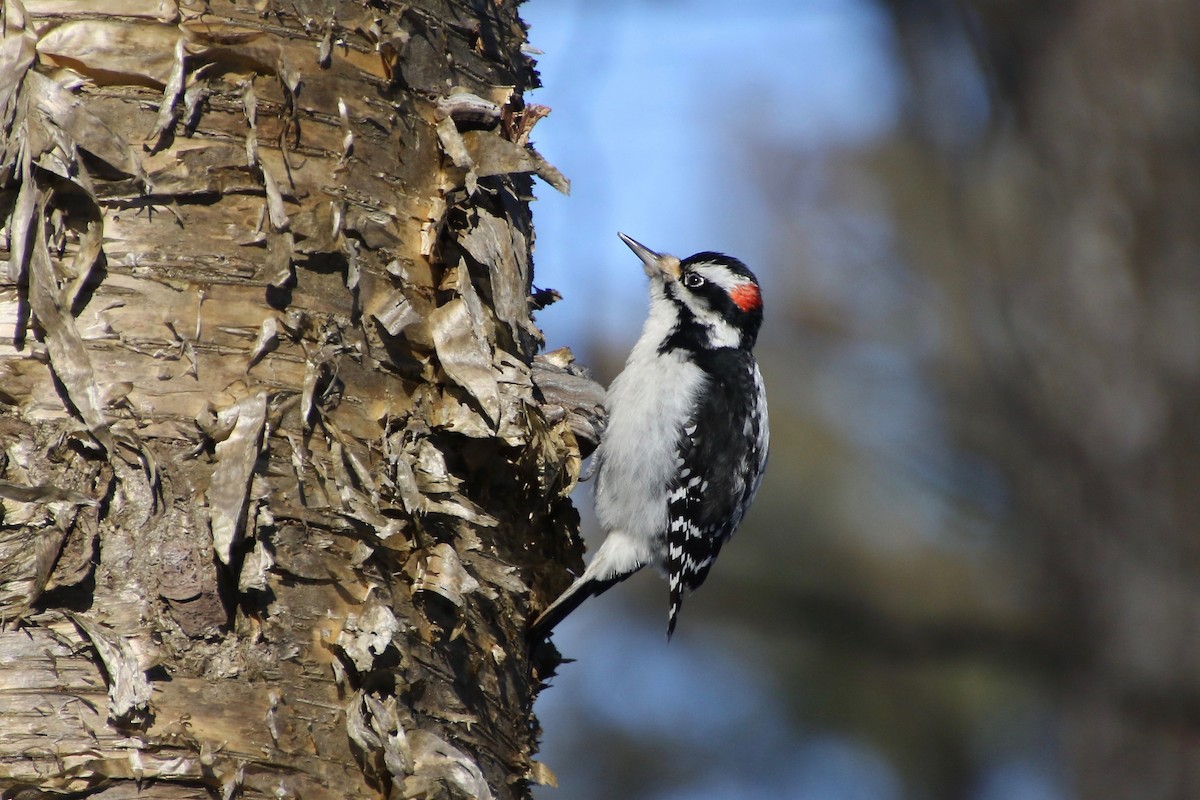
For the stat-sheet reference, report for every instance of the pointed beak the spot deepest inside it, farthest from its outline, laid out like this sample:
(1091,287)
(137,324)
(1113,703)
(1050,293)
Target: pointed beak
(655,264)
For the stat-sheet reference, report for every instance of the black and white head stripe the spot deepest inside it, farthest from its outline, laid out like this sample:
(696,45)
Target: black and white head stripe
(725,271)
(720,303)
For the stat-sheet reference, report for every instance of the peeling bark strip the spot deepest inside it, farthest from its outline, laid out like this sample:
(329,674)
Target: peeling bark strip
(277,456)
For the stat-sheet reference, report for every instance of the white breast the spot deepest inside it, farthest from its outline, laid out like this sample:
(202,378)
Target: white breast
(648,403)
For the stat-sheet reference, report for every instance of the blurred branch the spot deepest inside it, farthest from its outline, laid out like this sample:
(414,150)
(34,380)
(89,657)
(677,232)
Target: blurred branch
(849,622)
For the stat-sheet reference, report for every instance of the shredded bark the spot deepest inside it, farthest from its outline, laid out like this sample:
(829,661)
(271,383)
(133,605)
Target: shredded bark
(279,461)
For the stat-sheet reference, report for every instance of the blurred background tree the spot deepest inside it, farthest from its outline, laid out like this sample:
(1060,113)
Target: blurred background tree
(972,572)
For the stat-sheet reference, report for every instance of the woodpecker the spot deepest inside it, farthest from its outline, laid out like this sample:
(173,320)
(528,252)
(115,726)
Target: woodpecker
(685,447)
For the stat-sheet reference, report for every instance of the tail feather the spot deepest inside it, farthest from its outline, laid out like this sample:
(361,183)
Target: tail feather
(676,602)
(567,602)
(619,556)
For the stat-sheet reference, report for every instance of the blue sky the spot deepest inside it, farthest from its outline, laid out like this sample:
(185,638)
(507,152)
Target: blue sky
(650,102)
(661,111)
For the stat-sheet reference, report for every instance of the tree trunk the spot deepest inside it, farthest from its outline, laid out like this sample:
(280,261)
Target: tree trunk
(276,456)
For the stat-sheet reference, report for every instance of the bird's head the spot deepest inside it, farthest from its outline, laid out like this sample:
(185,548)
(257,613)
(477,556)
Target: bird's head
(716,298)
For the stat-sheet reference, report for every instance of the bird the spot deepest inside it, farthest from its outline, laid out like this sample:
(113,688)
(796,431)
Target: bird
(685,447)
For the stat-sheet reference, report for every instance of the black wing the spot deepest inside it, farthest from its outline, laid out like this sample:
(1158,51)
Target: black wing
(721,456)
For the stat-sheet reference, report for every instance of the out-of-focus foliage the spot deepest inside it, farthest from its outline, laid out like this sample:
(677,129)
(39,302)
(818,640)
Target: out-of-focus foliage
(972,569)
(1064,250)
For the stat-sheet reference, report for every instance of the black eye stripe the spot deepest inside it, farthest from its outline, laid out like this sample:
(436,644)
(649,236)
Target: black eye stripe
(718,260)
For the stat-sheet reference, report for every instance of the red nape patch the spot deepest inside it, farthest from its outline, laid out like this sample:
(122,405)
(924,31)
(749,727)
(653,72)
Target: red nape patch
(746,296)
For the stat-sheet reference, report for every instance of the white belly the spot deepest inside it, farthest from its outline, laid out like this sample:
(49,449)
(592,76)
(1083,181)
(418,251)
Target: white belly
(647,406)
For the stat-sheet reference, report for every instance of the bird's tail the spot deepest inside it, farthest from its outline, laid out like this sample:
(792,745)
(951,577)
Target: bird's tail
(583,588)
(618,557)
(676,602)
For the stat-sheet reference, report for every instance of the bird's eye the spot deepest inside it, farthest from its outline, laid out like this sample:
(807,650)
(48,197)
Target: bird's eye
(692,280)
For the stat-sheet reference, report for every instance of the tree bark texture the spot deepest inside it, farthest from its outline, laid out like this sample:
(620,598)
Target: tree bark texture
(277,459)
